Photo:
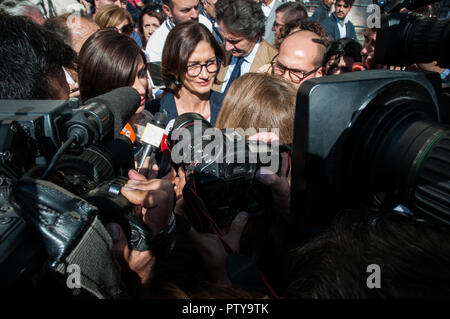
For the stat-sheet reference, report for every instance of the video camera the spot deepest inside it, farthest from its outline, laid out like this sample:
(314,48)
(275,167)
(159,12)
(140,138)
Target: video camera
(220,167)
(79,148)
(407,38)
(381,144)
(384,142)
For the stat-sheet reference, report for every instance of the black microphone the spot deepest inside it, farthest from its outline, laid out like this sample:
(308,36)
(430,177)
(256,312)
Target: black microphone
(153,135)
(102,114)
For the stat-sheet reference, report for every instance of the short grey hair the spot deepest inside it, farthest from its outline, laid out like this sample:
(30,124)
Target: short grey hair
(18,8)
(244,17)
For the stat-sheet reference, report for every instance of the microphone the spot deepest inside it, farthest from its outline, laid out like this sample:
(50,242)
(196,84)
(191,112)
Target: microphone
(357,66)
(101,115)
(152,136)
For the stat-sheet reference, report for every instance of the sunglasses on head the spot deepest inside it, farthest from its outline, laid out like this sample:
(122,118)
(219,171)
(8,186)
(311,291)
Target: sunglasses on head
(128,28)
(153,7)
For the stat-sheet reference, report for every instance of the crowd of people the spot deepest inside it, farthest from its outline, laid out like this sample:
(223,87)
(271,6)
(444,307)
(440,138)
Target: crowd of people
(239,64)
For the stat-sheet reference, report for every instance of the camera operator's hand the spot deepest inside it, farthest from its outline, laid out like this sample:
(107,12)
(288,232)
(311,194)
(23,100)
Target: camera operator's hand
(280,184)
(138,262)
(156,197)
(151,174)
(180,181)
(211,249)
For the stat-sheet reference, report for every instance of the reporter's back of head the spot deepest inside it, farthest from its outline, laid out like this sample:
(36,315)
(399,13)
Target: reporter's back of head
(413,259)
(32,60)
(259,100)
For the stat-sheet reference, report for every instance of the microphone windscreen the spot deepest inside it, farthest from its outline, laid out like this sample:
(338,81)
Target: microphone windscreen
(122,102)
(357,66)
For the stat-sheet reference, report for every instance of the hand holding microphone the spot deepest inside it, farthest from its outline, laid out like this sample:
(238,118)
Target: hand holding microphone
(152,136)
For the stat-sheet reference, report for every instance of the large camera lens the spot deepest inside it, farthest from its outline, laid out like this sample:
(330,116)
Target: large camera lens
(380,145)
(398,149)
(408,38)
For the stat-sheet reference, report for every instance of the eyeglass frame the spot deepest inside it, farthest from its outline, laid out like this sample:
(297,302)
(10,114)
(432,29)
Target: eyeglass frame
(201,67)
(300,79)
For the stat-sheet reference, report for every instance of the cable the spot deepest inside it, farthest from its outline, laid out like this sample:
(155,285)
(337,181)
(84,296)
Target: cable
(57,155)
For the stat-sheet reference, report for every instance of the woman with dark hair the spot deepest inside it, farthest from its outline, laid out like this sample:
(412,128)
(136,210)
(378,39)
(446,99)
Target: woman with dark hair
(190,62)
(109,60)
(151,17)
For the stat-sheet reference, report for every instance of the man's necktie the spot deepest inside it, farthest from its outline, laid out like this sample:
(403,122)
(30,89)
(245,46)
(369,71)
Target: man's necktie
(235,74)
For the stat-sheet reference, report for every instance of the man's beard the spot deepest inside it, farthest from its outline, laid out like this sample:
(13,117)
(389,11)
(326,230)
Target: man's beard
(176,21)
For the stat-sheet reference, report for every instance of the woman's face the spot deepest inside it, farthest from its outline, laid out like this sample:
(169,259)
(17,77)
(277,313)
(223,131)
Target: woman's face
(125,27)
(141,83)
(203,54)
(150,24)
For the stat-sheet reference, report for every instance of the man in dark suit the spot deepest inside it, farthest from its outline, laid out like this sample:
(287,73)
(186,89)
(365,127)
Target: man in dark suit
(322,11)
(269,7)
(337,25)
(242,25)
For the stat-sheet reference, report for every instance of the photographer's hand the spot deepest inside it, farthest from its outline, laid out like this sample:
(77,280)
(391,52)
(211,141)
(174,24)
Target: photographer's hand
(180,182)
(156,197)
(280,184)
(211,249)
(138,262)
(133,174)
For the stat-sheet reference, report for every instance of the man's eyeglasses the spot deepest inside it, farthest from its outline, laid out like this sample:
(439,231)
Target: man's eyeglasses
(296,76)
(195,69)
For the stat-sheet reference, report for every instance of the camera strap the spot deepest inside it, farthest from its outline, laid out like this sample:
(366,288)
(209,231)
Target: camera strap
(76,242)
(92,259)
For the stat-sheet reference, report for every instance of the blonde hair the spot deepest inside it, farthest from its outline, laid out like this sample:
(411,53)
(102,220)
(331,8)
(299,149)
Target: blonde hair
(259,100)
(111,15)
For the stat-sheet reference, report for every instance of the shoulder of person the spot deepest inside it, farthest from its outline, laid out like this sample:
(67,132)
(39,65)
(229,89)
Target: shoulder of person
(329,24)
(204,20)
(168,104)
(276,5)
(216,98)
(270,49)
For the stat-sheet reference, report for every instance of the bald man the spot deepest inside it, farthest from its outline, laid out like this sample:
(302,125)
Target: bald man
(81,28)
(300,58)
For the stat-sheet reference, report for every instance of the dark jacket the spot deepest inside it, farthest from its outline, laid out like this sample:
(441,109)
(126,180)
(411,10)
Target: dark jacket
(321,13)
(167,103)
(332,29)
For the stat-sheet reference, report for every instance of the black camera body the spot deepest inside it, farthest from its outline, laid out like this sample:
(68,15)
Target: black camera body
(406,38)
(220,167)
(383,146)
(93,166)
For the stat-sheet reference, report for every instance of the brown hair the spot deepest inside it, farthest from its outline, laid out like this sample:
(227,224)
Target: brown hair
(150,11)
(111,15)
(302,24)
(180,43)
(260,100)
(107,61)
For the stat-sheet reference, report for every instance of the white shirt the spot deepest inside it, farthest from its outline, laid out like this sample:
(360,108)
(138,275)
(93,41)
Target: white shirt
(342,28)
(267,8)
(156,42)
(245,66)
